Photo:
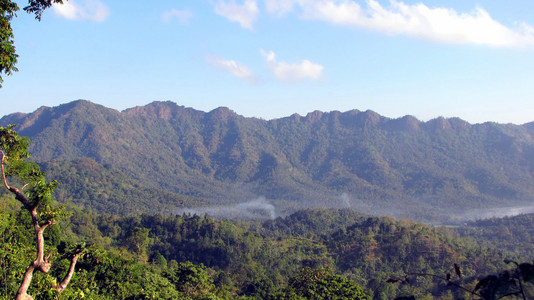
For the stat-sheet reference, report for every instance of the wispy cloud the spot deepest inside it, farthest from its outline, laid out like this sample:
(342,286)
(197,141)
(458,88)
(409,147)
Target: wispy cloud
(244,14)
(235,68)
(437,24)
(292,71)
(92,10)
(258,209)
(279,7)
(183,16)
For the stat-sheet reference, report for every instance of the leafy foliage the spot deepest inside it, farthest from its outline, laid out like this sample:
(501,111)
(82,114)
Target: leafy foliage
(38,6)
(514,234)
(322,284)
(258,259)
(8,57)
(319,252)
(37,203)
(193,281)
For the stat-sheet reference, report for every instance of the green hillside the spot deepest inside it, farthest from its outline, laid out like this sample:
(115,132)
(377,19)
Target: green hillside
(514,234)
(103,189)
(402,167)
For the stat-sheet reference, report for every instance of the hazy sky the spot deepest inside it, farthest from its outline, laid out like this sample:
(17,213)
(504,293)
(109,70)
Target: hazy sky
(272,58)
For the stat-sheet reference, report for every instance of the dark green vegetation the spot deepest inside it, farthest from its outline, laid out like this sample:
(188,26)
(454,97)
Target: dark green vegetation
(427,171)
(105,189)
(322,252)
(509,233)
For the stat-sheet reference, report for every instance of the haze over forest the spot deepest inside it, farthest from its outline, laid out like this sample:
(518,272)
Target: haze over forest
(219,162)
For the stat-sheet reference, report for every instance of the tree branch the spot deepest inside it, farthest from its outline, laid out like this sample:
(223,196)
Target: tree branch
(40,263)
(449,282)
(63,285)
(26,280)
(3,172)
(18,147)
(18,194)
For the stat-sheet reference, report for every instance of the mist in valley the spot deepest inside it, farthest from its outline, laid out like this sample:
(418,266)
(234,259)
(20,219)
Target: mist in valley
(496,212)
(260,209)
(256,209)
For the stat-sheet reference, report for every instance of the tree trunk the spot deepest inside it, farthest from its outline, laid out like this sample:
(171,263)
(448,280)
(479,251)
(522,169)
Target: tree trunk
(40,263)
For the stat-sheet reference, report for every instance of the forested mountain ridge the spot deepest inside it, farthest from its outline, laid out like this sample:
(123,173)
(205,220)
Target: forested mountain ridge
(373,161)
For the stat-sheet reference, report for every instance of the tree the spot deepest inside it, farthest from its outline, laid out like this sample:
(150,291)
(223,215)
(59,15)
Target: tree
(320,283)
(8,10)
(35,195)
(137,242)
(191,280)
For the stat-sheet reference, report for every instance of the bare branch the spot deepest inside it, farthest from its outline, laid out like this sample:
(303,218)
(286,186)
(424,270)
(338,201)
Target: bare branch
(48,223)
(63,284)
(3,172)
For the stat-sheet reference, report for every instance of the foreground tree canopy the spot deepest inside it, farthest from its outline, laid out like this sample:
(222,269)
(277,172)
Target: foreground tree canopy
(8,10)
(35,195)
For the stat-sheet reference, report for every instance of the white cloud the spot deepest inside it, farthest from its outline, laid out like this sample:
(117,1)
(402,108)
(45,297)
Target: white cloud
(245,14)
(235,68)
(292,71)
(442,25)
(92,10)
(183,16)
(279,7)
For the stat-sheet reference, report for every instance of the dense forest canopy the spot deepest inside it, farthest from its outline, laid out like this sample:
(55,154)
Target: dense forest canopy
(151,255)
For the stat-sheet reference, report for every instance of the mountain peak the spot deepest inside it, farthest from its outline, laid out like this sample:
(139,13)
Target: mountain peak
(165,110)
(314,116)
(407,123)
(365,154)
(222,114)
(444,124)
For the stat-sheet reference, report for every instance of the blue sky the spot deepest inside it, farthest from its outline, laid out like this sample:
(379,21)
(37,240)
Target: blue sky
(273,58)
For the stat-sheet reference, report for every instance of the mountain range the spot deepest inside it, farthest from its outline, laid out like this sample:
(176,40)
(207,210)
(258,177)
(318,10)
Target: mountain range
(184,157)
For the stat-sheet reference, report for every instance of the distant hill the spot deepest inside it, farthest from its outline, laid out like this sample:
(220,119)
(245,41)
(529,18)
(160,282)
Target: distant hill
(514,234)
(86,183)
(356,159)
